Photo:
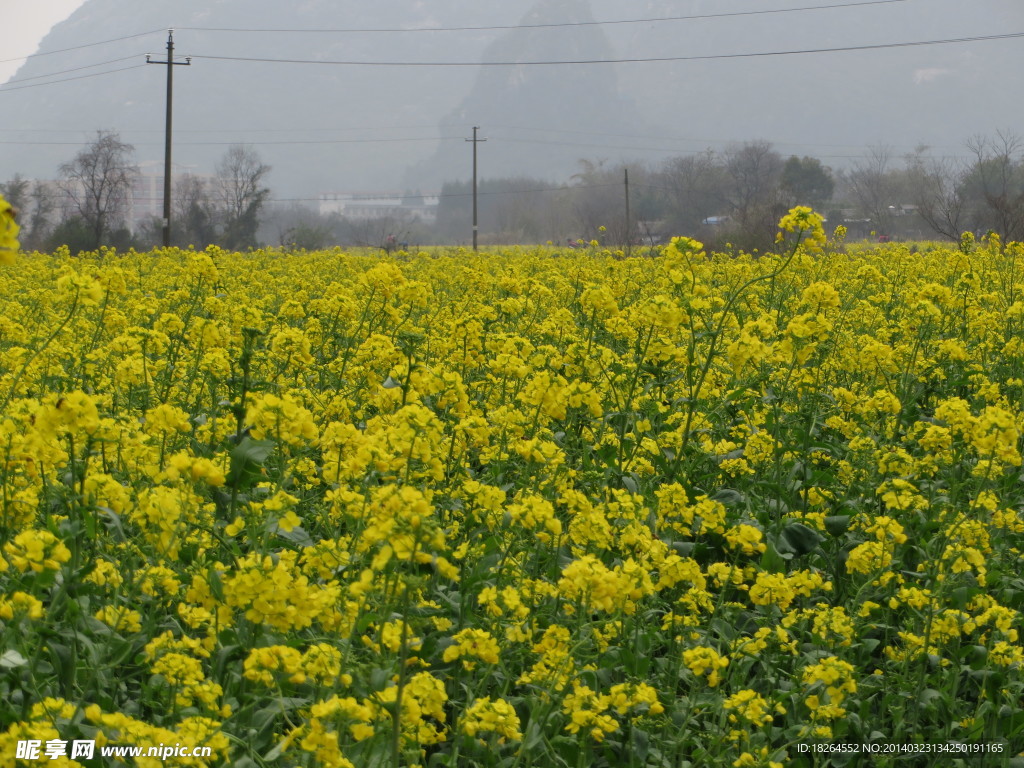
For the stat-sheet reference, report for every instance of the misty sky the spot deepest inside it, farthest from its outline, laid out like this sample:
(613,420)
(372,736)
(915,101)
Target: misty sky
(539,121)
(25,22)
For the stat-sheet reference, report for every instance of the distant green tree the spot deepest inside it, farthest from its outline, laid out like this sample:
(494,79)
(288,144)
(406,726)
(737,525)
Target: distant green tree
(807,182)
(73,232)
(80,235)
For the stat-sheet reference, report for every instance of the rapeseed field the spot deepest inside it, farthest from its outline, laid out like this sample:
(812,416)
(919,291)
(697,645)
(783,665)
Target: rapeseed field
(528,507)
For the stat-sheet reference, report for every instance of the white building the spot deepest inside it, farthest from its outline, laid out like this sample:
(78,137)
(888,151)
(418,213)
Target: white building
(382,205)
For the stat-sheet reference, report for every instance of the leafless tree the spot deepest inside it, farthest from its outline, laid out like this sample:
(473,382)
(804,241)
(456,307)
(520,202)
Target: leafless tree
(16,191)
(39,223)
(194,214)
(695,187)
(753,174)
(98,184)
(598,200)
(873,186)
(241,194)
(996,179)
(936,188)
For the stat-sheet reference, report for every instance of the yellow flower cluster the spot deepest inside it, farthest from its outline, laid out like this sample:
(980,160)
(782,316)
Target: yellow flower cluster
(8,232)
(487,716)
(540,506)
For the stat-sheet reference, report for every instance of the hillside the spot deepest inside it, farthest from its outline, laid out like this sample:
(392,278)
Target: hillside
(312,123)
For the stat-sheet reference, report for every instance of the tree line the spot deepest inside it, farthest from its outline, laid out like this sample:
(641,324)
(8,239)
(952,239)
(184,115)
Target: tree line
(734,196)
(90,203)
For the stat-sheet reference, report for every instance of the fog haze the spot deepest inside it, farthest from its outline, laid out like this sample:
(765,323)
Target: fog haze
(353,127)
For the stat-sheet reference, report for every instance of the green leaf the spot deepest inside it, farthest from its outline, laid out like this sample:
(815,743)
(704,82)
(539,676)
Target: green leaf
(296,535)
(728,496)
(798,539)
(772,560)
(247,458)
(837,524)
(869,644)
(274,753)
(976,656)
(607,454)
(641,743)
(629,483)
(12,659)
(930,698)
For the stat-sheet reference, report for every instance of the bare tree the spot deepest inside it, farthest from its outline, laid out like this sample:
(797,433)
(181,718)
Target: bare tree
(936,187)
(599,201)
(194,214)
(873,185)
(753,172)
(39,222)
(241,194)
(16,191)
(996,180)
(695,188)
(98,184)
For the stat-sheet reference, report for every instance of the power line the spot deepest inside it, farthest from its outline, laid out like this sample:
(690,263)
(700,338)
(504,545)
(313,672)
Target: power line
(482,28)
(649,137)
(246,129)
(586,145)
(307,129)
(669,150)
(321,141)
(79,47)
(482,193)
(73,69)
(501,27)
(655,59)
(69,79)
(255,143)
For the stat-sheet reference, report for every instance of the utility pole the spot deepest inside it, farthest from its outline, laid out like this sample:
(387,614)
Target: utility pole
(167,131)
(628,233)
(476,228)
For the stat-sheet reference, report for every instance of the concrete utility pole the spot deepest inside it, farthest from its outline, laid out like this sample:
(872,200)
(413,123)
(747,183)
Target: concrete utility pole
(476,228)
(628,233)
(167,132)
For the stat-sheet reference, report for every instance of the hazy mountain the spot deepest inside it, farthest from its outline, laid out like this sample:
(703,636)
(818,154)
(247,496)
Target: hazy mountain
(311,122)
(523,107)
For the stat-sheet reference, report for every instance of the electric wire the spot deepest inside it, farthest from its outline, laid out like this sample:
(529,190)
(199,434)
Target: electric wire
(505,27)
(637,60)
(254,143)
(480,193)
(69,79)
(84,45)
(73,69)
